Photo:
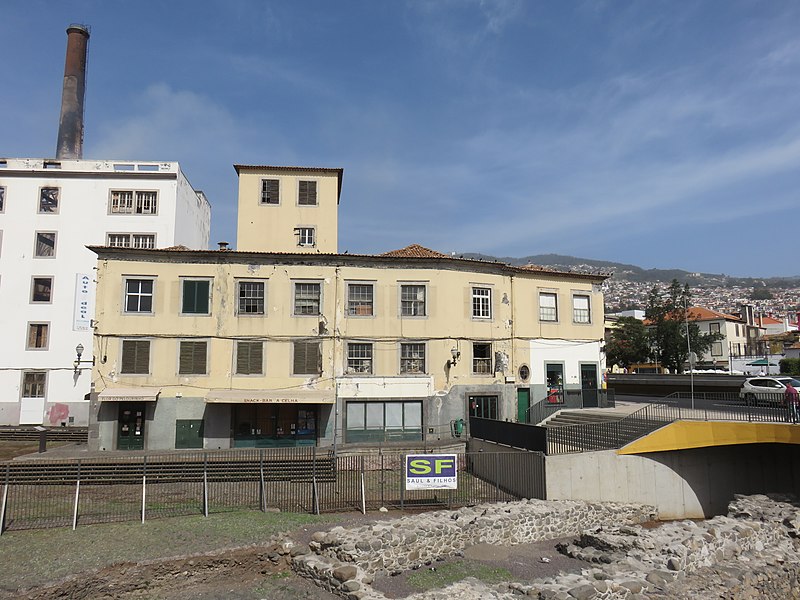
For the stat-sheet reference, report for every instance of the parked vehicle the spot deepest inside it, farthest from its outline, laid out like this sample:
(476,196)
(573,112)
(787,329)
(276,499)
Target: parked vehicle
(766,390)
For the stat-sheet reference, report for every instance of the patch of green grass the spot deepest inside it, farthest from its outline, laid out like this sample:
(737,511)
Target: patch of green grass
(37,557)
(439,576)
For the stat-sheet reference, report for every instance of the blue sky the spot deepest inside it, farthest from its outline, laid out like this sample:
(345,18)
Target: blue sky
(660,133)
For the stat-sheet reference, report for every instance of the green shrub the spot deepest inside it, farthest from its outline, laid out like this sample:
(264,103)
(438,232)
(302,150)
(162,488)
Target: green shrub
(790,366)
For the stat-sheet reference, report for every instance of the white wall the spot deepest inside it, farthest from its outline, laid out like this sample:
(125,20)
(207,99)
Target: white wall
(569,352)
(82,219)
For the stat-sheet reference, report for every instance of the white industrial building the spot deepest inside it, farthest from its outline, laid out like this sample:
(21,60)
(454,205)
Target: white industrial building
(50,210)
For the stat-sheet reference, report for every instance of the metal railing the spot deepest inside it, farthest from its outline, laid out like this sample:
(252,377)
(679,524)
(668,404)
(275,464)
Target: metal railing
(567,399)
(608,435)
(36,495)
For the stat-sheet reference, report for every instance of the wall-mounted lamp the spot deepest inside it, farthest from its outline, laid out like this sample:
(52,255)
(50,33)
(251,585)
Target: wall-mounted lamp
(78,362)
(456,354)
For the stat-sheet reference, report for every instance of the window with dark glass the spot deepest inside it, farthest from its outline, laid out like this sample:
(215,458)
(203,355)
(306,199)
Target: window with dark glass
(42,289)
(45,244)
(251,297)
(138,295)
(482,358)
(48,199)
(37,336)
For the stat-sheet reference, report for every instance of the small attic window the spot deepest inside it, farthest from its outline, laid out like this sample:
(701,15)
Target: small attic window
(147,167)
(51,164)
(121,167)
(3,164)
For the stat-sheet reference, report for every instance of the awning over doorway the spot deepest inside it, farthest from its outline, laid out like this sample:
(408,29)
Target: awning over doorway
(140,394)
(271,396)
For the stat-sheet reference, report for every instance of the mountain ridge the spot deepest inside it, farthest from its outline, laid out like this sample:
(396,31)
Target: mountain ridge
(632,272)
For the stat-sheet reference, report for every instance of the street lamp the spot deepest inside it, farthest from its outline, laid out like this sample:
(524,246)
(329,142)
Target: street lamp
(78,362)
(692,359)
(455,353)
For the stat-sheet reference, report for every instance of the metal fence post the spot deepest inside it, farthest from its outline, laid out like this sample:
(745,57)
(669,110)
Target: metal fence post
(314,491)
(497,476)
(383,477)
(77,498)
(261,488)
(363,489)
(5,502)
(144,487)
(205,484)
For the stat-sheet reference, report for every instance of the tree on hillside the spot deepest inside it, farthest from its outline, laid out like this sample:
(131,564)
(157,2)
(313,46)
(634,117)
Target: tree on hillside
(628,343)
(761,294)
(667,327)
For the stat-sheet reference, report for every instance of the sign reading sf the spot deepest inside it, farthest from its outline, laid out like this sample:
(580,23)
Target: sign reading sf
(431,472)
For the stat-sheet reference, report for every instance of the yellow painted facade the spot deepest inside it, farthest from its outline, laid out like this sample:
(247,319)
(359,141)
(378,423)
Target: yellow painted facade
(448,321)
(271,216)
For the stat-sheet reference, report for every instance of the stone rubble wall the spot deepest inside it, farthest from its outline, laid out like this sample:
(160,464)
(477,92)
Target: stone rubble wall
(345,561)
(753,553)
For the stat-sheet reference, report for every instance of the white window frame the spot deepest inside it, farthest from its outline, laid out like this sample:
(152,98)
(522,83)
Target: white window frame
(138,203)
(580,315)
(306,236)
(131,240)
(545,310)
(481,302)
(295,283)
(425,309)
(360,358)
(36,244)
(139,294)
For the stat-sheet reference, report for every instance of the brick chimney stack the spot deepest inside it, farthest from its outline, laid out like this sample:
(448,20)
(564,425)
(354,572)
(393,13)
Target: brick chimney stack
(70,127)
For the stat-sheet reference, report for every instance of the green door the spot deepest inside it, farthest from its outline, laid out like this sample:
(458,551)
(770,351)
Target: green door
(188,433)
(130,426)
(523,403)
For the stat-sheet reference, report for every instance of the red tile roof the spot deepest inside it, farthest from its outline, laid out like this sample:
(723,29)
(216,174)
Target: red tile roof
(415,251)
(699,313)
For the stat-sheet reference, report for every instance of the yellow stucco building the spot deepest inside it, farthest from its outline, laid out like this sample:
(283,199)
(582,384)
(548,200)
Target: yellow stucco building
(274,344)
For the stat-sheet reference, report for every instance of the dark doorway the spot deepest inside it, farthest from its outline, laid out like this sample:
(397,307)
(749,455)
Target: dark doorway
(130,426)
(589,385)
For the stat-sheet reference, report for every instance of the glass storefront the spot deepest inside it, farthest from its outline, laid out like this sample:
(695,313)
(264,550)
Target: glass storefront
(376,421)
(274,425)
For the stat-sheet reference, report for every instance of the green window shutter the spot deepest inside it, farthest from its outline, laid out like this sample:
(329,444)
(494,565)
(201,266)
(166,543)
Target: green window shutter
(307,193)
(195,297)
(307,358)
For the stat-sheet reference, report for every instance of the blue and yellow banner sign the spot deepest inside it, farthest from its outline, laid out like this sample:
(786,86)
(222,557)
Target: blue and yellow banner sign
(431,471)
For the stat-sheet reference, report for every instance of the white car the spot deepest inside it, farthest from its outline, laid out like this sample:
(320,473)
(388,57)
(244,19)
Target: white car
(766,390)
